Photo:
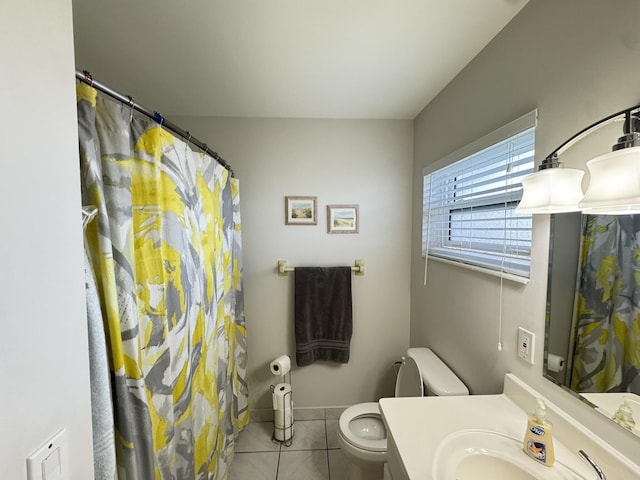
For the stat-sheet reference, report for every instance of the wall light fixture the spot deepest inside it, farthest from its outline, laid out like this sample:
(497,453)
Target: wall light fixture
(614,184)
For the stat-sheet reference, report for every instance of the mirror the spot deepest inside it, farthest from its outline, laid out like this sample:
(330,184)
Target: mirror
(592,335)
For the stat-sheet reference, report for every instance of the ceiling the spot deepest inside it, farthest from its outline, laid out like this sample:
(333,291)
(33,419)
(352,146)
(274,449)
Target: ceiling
(284,58)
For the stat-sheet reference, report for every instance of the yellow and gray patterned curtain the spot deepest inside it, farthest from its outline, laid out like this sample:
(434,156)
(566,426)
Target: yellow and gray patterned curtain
(607,341)
(166,251)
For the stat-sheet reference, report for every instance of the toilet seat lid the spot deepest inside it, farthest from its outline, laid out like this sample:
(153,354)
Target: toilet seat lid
(362,409)
(409,381)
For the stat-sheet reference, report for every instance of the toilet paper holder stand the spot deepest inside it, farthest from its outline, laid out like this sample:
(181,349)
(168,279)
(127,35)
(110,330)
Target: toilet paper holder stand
(286,432)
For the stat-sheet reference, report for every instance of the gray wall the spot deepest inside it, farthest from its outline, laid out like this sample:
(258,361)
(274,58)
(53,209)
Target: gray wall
(44,368)
(576,61)
(365,162)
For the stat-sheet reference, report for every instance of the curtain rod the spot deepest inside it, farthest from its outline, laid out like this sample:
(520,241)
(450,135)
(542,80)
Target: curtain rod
(87,78)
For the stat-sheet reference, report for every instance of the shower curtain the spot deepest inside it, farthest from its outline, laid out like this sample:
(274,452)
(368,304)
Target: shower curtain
(166,251)
(607,309)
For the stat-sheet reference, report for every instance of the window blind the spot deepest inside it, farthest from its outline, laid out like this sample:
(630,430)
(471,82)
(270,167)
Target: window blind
(469,205)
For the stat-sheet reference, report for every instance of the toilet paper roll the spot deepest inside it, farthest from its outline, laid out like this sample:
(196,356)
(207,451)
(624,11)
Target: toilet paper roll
(282,397)
(555,363)
(281,365)
(283,412)
(284,433)
(282,419)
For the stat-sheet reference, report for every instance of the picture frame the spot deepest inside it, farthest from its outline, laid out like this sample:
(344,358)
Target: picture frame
(301,210)
(343,218)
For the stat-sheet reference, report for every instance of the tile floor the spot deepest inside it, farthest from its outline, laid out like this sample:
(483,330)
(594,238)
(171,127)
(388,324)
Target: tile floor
(313,455)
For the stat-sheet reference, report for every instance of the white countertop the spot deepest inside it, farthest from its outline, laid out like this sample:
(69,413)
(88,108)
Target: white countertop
(608,403)
(419,424)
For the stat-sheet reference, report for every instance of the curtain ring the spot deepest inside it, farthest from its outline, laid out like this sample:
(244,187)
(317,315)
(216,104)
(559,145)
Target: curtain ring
(131,104)
(158,118)
(89,77)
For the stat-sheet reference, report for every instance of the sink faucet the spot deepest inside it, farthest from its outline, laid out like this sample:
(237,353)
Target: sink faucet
(595,466)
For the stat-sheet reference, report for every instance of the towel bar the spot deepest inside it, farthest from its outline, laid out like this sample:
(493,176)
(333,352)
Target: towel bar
(283,270)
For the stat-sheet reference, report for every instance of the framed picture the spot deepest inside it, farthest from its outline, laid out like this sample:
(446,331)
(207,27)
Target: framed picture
(343,218)
(301,210)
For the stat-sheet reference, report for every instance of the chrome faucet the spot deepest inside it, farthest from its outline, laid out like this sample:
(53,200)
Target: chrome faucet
(595,466)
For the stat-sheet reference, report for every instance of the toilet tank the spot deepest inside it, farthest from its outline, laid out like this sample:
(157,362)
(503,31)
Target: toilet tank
(438,379)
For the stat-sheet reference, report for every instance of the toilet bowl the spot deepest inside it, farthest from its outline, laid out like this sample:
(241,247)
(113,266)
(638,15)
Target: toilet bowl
(362,435)
(361,427)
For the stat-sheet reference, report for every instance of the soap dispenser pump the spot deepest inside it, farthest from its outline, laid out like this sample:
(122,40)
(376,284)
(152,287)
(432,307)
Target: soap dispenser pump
(538,439)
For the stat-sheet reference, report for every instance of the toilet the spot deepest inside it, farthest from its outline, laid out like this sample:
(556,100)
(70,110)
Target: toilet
(361,433)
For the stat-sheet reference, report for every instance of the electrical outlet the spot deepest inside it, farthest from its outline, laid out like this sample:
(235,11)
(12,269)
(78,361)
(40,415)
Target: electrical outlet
(526,341)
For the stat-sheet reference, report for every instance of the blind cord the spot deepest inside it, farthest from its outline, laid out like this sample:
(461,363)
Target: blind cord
(426,249)
(509,168)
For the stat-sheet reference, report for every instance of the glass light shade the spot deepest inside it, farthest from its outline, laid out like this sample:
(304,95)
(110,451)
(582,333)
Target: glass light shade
(552,190)
(614,188)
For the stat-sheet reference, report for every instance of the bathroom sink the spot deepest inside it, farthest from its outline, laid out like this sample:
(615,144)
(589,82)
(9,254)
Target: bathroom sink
(480,454)
(481,466)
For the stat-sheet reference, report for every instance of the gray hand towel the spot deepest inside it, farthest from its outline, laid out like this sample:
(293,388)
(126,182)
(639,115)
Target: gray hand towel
(323,314)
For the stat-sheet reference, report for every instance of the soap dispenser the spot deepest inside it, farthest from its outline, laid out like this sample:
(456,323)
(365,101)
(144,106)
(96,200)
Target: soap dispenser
(538,439)
(624,415)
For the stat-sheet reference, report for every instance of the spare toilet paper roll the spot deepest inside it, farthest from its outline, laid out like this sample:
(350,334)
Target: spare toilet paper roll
(283,412)
(282,419)
(283,426)
(555,363)
(281,365)
(282,397)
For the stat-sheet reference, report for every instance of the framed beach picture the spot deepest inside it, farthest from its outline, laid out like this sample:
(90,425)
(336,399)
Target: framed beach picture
(301,210)
(342,218)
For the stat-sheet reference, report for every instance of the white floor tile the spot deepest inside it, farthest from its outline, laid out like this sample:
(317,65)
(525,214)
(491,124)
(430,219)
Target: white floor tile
(314,454)
(332,434)
(303,465)
(338,465)
(256,437)
(254,466)
(308,435)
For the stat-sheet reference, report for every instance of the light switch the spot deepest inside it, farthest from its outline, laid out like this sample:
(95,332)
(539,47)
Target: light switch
(48,461)
(52,466)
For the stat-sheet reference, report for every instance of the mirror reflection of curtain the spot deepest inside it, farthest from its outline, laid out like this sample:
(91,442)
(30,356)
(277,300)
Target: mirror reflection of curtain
(607,342)
(166,251)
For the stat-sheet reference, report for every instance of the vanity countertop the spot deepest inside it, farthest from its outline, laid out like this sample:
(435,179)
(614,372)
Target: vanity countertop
(417,426)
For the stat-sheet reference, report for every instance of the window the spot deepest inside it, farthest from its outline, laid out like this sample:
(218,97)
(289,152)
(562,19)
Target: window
(469,205)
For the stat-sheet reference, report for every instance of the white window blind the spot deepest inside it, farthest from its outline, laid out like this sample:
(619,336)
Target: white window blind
(469,205)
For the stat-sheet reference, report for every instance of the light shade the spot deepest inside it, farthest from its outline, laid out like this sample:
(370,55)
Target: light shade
(551,190)
(614,187)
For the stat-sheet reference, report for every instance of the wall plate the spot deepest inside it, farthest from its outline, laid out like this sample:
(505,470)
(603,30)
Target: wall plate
(526,340)
(48,462)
